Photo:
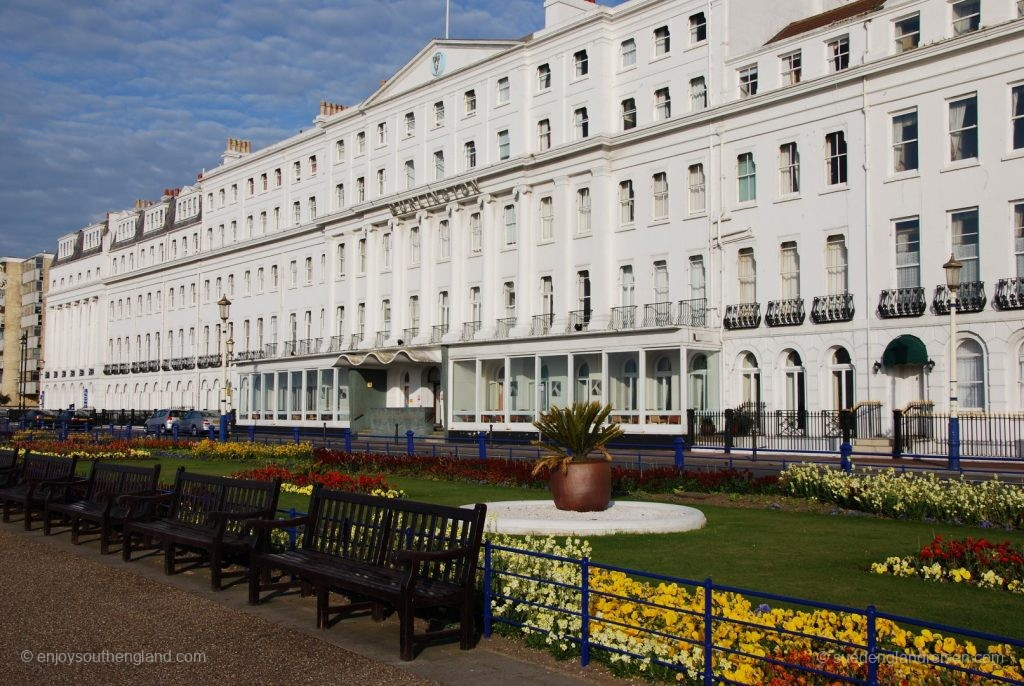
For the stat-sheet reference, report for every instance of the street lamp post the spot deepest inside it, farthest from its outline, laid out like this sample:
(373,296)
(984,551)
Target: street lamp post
(225,311)
(953,267)
(22,380)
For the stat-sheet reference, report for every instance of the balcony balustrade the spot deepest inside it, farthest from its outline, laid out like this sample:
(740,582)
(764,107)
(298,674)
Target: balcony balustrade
(659,314)
(354,342)
(970,297)
(408,335)
(693,312)
(902,302)
(504,327)
(785,312)
(541,325)
(742,316)
(623,317)
(381,338)
(579,320)
(1010,293)
(469,330)
(438,332)
(832,308)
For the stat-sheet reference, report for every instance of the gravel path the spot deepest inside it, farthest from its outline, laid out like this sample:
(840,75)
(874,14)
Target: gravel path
(54,602)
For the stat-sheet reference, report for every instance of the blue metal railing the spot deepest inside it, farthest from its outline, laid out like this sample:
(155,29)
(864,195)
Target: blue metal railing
(862,660)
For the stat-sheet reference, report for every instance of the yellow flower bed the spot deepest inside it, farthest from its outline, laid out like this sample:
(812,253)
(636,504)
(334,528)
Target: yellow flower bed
(308,490)
(252,451)
(628,615)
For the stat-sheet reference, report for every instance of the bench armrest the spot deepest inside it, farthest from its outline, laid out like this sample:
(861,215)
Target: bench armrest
(135,500)
(432,556)
(70,481)
(276,523)
(59,488)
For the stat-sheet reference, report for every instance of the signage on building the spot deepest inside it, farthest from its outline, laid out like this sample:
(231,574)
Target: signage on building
(85,397)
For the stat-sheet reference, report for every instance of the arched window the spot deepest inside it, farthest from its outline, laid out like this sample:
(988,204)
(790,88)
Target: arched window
(842,380)
(583,383)
(698,383)
(663,384)
(751,379)
(970,372)
(794,387)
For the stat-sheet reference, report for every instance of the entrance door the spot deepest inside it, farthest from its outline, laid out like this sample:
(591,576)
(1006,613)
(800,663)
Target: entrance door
(434,380)
(368,389)
(907,384)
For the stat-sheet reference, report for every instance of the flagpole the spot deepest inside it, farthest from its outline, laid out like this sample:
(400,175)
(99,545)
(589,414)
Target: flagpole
(447,14)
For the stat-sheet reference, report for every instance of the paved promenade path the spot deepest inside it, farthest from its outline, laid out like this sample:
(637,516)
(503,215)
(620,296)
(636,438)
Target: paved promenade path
(65,602)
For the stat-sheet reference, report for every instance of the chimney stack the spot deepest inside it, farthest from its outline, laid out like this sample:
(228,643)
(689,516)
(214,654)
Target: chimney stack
(236,150)
(328,109)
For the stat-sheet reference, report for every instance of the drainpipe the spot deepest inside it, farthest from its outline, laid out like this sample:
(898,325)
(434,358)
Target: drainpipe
(867,237)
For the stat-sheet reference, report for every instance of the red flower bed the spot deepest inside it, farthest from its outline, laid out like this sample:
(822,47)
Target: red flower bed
(330,479)
(504,472)
(976,555)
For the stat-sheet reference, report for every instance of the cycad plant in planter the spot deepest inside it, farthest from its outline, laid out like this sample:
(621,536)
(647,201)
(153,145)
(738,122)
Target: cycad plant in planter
(576,441)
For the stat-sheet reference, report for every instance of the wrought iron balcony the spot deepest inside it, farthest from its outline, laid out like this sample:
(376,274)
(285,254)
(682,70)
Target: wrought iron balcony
(91,372)
(902,302)
(970,297)
(106,369)
(337,342)
(1010,293)
(438,332)
(309,346)
(137,367)
(354,342)
(469,330)
(624,317)
(45,374)
(72,372)
(288,348)
(785,312)
(504,327)
(579,320)
(693,312)
(659,314)
(542,324)
(166,364)
(154,365)
(381,338)
(208,361)
(124,366)
(270,350)
(742,316)
(832,308)
(248,356)
(409,334)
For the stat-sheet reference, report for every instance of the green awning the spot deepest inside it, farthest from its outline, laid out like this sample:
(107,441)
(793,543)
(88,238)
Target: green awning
(905,349)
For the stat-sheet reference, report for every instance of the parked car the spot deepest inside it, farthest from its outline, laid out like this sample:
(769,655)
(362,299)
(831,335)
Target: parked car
(39,419)
(198,422)
(163,421)
(77,419)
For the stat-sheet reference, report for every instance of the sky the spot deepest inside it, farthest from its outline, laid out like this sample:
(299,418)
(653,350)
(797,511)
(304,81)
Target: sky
(107,101)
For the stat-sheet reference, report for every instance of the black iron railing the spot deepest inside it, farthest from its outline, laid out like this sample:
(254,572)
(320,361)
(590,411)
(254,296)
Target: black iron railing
(409,334)
(579,320)
(742,316)
(1010,293)
(902,302)
(381,338)
(504,327)
(270,350)
(541,324)
(438,332)
(970,297)
(832,308)
(693,312)
(469,330)
(624,317)
(659,314)
(337,343)
(354,342)
(785,312)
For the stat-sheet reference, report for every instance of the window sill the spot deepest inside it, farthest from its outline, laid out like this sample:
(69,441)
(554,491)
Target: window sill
(790,197)
(1013,155)
(701,214)
(660,221)
(960,164)
(499,105)
(623,70)
(839,188)
(746,205)
(661,58)
(903,176)
(626,227)
(543,91)
(579,79)
(584,234)
(546,241)
(509,248)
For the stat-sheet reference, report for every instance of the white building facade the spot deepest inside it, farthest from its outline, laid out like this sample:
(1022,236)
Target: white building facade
(665,205)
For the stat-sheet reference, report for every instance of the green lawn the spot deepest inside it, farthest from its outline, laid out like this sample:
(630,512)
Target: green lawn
(814,556)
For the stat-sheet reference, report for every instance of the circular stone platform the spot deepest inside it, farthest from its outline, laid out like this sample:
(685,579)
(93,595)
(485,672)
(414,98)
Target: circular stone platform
(541,517)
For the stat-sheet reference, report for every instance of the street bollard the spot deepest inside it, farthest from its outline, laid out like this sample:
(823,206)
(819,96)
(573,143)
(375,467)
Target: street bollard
(346,435)
(680,446)
(252,433)
(175,432)
(845,451)
(481,441)
(410,446)
(295,434)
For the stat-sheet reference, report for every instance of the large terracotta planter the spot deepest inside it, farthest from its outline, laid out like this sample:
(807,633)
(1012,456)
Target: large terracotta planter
(585,487)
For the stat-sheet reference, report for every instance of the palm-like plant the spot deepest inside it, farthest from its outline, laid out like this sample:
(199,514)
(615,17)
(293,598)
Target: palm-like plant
(573,433)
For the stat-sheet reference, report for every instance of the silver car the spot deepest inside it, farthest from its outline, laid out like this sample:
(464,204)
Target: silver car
(162,422)
(198,422)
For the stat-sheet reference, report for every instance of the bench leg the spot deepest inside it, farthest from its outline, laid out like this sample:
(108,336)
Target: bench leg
(215,570)
(126,545)
(27,519)
(7,510)
(466,624)
(323,596)
(378,612)
(406,622)
(254,585)
(168,558)
(46,522)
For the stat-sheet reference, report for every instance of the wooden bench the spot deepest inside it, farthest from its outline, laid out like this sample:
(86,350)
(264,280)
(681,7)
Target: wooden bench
(94,499)
(379,551)
(8,466)
(27,489)
(207,514)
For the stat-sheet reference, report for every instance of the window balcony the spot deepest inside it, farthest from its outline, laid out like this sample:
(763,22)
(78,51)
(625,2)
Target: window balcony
(970,297)
(72,372)
(579,320)
(123,368)
(381,338)
(785,312)
(208,361)
(289,347)
(354,342)
(106,370)
(623,317)
(153,365)
(409,334)
(902,302)
(337,343)
(504,327)
(165,365)
(659,314)
(743,316)
(1010,293)
(139,367)
(693,312)
(469,330)
(309,346)
(438,332)
(832,308)
(270,350)
(542,324)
